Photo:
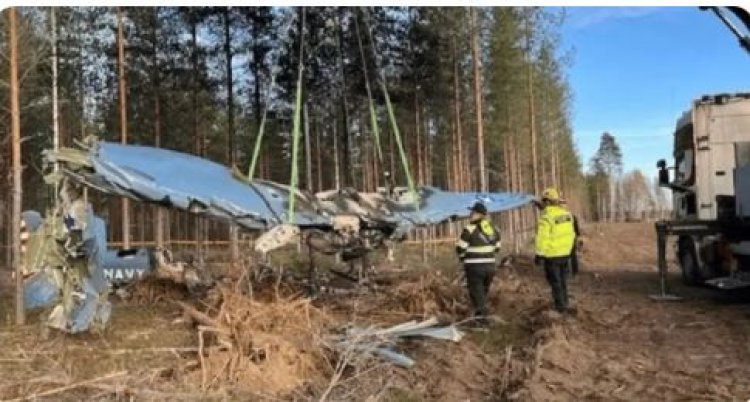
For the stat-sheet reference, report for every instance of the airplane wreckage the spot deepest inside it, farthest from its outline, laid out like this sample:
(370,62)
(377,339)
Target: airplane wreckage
(69,269)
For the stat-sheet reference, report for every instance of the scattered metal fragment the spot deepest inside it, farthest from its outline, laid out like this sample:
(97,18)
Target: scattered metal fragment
(379,342)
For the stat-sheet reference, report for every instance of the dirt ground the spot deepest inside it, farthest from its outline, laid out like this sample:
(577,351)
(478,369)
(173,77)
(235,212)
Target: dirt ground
(620,345)
(624,346)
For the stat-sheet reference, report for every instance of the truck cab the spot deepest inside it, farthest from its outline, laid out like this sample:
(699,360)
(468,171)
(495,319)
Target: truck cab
(711,186)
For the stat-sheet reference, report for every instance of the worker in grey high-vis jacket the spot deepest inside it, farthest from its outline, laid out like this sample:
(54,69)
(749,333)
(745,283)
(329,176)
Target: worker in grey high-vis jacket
(477,248)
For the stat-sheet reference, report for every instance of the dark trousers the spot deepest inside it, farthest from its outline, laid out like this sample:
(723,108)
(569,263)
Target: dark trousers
(574,261)
(556,271)
(478,281)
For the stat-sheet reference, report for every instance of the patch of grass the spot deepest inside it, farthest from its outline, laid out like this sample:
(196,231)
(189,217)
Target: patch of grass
(499,337)
(403,395)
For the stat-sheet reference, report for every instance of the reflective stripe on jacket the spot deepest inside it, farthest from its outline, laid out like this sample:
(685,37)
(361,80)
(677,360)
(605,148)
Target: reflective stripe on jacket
(479,243)
(555,233)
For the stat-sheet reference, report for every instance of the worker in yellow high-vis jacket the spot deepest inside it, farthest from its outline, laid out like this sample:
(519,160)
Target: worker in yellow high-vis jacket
(477,247)
(555,236)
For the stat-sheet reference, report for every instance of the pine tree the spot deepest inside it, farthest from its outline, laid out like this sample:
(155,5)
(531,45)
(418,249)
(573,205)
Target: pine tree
(606,165)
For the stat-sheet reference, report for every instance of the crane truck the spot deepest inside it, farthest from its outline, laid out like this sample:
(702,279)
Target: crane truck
(710,192)
(711,185)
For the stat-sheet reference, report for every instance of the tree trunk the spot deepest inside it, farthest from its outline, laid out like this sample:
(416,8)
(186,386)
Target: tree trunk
(318,160)
(158,211)
(417,117)
(82,98)
(230,88)
(508,179)
(476,62)
(364,153)
(82,102)
(458,176)
(392,152)
(255,67)
(612,199)
(532,116)
(123,120)
(515,178)
(336,165)
(428,156)
(198,141)
(15,141)
(55,114)
(543,169)
(308,150)
(418,135)
(231,152)
(375,170)
(600,202)
(141,213)
(451,156)
(349,174)
(555,161)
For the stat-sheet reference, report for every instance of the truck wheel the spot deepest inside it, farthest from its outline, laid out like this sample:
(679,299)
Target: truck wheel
(688,259)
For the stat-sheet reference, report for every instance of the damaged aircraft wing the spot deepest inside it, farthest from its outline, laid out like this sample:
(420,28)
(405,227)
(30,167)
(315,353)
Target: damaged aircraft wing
(68,262)
(187,182)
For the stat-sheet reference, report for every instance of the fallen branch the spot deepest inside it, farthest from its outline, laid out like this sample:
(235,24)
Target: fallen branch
(202,359)
(166,349)
(504,381)
(70,387)
(197,315)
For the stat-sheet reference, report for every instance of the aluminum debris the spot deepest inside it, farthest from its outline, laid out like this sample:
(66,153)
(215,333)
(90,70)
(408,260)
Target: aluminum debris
(380,341)
(187,182)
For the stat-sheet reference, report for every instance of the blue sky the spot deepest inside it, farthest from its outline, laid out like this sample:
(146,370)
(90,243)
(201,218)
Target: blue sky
(636,69)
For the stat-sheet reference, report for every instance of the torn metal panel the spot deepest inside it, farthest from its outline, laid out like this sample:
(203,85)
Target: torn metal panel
(395,357)
(183,181)
(39,291)
(32,219)
(187,182)
(63,268)
(69,269)
(378,341)
(449,333)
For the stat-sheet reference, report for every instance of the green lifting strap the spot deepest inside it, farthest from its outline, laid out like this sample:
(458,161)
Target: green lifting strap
(261,128)
(373,115)
(397,135)
(295,126)
(392,118)
(375,130)
(259,138)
